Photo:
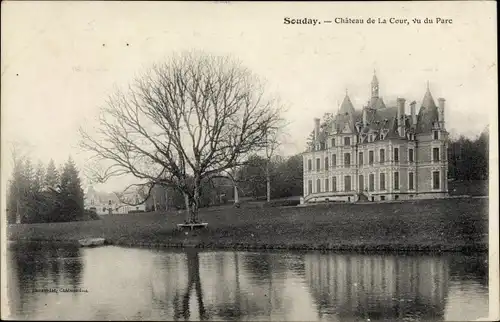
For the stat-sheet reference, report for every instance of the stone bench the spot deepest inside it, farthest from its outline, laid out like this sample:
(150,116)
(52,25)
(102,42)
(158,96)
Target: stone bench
(192,226)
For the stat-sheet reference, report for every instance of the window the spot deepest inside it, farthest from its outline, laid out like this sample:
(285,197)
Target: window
(334,160)
(318,185)
(347,160)
(318,164)
(326,163)
(322,145)
(361,184)
(410,155)
(327,185)
(436,135)
(360,158)
(347,140)
(382,198)
(382,181)
(309,165)
(370,157)
(396,180)
(347,183)
(396,154)
(334,184)
(333,142)
(435,154)
(410,181)
(435,180)
(371,182)
(310,186)
(370,138)
(382,155)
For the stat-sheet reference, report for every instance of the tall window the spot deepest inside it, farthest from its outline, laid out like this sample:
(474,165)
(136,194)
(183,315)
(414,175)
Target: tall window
(436,135)
(382,181)
(435,154)
(333,142)
(396,180)
(396,154)
(360,158)
(318,164)
(435,180)
(410,155)
(309,165)
(327,185)
(318,185)
(371,182)
(347,183)
(347,140)
(310,187)
(334,184)
(334,160)
(361,184)
(326,163)
(370,157)
(411,185)
(382,155)
(347,160)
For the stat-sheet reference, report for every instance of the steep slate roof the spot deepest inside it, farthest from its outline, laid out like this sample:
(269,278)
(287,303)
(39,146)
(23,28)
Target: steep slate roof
(380,118)
(428,113)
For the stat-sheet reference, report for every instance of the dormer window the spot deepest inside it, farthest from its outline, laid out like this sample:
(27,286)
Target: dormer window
(347,141)
(333,142)
(370,138)
(436,135)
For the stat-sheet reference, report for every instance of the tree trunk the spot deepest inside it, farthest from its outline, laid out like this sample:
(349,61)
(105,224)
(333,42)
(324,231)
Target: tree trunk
(186,200)
(196,201)
(236,199)
(268,182)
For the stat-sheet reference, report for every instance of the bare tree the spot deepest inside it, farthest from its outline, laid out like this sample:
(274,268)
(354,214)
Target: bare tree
(190,118)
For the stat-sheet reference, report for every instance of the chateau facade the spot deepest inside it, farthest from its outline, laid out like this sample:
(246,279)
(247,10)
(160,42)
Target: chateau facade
(379,153)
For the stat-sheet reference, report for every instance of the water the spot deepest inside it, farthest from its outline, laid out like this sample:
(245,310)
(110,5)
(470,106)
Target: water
(114,283)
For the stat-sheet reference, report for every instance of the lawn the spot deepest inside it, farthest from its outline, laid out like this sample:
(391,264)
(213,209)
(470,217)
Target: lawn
(449,224)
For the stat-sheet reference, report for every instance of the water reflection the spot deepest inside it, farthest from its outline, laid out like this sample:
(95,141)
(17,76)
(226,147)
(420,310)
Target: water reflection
(142,284)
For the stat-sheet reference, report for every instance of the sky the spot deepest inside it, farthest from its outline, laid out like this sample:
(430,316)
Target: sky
(61,59)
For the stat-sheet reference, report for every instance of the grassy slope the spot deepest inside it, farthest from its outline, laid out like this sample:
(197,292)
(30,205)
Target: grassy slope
(431,224)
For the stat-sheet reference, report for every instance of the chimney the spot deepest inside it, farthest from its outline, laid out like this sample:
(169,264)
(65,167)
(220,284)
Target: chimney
(401,115)
(316,130)
(441,111)
(365,117)
(413,115)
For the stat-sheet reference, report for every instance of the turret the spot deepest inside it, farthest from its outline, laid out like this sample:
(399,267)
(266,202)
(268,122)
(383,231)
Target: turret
(401,116)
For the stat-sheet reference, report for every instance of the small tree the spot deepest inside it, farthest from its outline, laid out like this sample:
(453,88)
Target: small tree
(51,176)
(195,116)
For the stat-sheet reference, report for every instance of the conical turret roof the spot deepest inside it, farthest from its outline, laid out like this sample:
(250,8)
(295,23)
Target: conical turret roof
(428,113)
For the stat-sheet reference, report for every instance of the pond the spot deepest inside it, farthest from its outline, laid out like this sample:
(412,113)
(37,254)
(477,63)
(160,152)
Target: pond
(59,282)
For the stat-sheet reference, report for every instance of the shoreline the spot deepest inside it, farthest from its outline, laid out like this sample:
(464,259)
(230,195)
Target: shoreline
(353,248)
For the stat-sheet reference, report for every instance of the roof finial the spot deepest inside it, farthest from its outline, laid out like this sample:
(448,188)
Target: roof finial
(428,88)
(346,92)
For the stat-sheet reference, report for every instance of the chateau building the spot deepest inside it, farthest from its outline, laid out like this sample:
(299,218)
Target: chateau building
(379,153)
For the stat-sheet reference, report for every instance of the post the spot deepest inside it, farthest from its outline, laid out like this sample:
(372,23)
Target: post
(166,198)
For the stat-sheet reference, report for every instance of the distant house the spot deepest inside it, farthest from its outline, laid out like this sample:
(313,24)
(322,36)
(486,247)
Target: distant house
(378,153)
(108,203)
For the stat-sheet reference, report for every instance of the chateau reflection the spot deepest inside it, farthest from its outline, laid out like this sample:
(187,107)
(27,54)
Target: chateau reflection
(40,266)
(376,287)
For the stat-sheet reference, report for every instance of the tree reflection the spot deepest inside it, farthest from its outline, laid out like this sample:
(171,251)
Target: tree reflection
(41,266)
(181,305)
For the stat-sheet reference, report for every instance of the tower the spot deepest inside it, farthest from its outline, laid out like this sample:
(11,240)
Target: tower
(374,85)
